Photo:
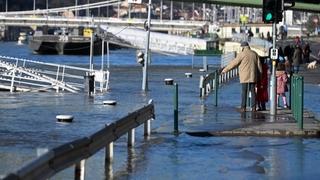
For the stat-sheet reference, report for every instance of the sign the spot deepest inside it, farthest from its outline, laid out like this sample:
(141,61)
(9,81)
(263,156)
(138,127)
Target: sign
(135,1)
(274,53)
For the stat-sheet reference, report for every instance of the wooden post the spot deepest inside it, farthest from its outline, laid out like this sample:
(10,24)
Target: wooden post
(79,171)
(131,138)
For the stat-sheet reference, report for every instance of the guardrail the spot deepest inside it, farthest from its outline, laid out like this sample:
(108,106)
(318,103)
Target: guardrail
(296,99)
(76,152)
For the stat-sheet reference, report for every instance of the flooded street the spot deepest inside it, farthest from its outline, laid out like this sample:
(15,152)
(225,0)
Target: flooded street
(29,128)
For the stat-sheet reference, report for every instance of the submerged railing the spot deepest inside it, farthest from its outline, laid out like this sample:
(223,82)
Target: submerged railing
(297,90)
(76,152)
(17,74)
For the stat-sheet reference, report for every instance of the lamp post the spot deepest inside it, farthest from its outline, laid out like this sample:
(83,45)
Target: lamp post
(169,81)
(273,83)
(76,11)
(147,54)
(34,7)
(88,11)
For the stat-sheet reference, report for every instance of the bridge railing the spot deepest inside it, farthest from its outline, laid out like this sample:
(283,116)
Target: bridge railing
(76,152)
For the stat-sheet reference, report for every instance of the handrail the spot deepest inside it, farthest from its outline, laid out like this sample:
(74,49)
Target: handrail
(212,80)
(75,152)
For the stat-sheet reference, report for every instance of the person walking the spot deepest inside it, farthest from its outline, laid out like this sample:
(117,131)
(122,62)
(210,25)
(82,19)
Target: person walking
(249,70)
(296,58)
(306,53)
(282,87)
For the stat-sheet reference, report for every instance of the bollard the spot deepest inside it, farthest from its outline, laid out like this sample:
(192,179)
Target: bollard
(176,107)
(89,83)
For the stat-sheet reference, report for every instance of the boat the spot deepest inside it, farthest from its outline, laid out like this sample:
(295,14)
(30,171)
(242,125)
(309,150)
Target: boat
(65,42)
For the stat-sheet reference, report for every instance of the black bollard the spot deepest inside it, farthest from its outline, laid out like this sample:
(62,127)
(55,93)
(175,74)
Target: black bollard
(89,83)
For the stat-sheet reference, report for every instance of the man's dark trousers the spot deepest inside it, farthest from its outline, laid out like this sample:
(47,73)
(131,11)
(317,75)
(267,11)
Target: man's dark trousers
(246,88)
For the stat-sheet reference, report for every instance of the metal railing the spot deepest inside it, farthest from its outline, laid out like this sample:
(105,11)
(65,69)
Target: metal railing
(212,80)
(296,99)
(30,75)
(76,152)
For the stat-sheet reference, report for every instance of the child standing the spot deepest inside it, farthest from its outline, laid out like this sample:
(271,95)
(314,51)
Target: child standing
(282,87)
(262,87)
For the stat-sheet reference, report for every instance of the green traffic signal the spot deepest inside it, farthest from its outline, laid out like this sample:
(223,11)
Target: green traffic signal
(268,16)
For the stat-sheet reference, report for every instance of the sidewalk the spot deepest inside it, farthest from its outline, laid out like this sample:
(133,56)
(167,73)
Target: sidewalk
(228,121)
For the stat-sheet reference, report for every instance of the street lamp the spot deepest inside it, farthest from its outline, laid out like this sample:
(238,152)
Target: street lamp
(169,81)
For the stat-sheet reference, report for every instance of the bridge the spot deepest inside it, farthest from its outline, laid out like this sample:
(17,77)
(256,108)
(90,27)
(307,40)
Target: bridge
(300,5)
(59,21)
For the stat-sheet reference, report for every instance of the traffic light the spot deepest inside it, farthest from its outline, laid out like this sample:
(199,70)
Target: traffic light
(272,11)
(140,58)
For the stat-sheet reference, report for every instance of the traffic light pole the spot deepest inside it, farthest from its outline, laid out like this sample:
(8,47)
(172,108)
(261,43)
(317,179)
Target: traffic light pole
(147,53)
(273,83)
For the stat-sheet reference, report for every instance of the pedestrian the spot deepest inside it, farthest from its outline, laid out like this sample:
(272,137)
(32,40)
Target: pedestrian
(296,58)
(288,53)
(249,70)
(282,87)
(306,53)
(262,87)
(269,38)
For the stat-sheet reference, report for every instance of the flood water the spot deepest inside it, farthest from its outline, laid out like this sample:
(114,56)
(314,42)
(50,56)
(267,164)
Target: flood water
(28,126)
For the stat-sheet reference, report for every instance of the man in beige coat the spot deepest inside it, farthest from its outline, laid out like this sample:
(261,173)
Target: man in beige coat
(250,70)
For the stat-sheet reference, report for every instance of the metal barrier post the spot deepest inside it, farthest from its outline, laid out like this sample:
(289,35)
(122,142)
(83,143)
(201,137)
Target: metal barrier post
(147,128)
(216,87)
(300,100)
(175,111)
(79,171)
(292,94)
(109,153)
(131,137)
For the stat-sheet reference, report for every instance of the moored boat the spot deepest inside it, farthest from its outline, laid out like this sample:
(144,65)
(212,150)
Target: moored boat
(64,42)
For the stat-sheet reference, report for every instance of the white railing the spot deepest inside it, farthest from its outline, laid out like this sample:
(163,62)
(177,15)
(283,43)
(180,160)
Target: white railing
(28,75)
